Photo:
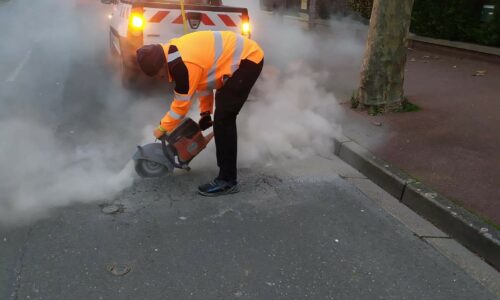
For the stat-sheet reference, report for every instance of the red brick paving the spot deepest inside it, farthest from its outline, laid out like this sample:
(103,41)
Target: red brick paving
(453,143)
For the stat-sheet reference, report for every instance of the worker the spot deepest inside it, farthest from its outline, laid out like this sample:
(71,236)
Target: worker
(199,63)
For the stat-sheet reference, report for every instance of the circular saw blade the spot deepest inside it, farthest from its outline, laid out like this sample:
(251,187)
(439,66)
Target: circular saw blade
(147,168)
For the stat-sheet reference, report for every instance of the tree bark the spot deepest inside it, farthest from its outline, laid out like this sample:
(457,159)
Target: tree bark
(313,13)
(382,73)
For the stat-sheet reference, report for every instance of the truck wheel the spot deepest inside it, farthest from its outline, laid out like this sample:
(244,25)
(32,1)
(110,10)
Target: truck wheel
(130,77)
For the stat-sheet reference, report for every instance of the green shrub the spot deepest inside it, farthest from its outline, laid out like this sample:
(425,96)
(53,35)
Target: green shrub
(362,7)
(455,20)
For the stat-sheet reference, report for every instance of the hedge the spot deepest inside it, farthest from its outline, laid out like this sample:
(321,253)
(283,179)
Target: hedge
(455,20)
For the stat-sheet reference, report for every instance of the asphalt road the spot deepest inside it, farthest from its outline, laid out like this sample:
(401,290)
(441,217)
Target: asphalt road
(290,234)
(297,230)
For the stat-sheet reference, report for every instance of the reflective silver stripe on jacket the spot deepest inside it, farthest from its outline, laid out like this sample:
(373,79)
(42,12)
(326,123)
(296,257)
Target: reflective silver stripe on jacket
(237,53)
(173,55)
(211,79)
(182,97)
(205,93)
(175,115)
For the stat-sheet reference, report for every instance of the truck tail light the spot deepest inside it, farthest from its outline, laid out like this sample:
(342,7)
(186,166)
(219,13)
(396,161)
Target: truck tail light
(246,29)
(136,21)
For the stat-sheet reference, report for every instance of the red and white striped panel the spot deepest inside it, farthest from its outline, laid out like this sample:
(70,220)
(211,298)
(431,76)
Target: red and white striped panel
(207,19)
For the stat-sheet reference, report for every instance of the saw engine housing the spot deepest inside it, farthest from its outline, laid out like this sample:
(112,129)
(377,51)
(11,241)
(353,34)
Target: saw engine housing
(175,150)
(188,140)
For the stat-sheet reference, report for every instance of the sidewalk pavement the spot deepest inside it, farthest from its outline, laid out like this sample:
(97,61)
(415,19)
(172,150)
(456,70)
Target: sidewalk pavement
(453,143)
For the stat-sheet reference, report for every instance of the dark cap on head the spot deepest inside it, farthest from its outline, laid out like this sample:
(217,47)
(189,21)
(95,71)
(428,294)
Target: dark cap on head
(151,59)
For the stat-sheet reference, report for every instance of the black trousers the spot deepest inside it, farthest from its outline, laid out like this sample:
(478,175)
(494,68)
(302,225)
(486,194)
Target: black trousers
(228,102)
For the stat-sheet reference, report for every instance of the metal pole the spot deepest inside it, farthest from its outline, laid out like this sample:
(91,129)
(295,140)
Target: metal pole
(184,22)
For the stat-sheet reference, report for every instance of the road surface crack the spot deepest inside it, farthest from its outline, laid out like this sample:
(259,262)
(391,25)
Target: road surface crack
(20,267)
(351,177)
(422,237)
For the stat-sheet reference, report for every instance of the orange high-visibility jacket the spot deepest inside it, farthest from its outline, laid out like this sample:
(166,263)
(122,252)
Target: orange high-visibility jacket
(210,58)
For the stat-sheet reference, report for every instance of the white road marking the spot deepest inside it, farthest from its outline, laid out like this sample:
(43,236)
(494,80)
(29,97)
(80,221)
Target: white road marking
(15,73)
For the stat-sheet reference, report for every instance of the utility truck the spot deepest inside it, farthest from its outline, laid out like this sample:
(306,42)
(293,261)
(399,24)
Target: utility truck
(134,23)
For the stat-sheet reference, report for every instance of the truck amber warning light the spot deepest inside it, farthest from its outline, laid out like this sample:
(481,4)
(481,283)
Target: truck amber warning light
(137,22)
(245,28)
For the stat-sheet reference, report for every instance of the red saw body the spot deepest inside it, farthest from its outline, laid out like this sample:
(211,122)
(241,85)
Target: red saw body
(188,140)
(175,150)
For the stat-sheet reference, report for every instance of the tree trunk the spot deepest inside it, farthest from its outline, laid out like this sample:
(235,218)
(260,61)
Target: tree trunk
(382,73)
(313,13)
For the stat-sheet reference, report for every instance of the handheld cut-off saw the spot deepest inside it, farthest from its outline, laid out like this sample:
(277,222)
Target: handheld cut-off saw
(174,151)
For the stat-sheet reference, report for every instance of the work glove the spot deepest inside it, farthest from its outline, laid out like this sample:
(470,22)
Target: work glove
(205,121)
(159,132)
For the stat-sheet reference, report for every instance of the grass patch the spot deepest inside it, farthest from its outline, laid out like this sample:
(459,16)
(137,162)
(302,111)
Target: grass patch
(407,106)
(374,110)
(354,101)
(488,221)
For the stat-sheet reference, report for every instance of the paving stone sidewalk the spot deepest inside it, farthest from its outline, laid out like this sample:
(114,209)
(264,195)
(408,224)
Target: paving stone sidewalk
(453,143)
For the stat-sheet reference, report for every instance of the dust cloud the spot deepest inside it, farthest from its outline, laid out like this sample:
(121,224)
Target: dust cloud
(68,128)
(294,109)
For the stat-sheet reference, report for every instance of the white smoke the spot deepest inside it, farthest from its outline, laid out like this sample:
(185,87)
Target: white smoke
(295,110)
(294,117)
(40,174)
(67,134)
(67,127)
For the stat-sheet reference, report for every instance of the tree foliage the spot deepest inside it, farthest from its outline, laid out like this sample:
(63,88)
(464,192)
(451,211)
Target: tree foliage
(363,7)
(456,20)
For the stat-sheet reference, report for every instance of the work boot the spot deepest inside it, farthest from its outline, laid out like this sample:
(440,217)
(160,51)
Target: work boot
(218,187)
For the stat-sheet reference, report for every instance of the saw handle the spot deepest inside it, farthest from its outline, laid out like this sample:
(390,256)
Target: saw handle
(164,147)
(165,150)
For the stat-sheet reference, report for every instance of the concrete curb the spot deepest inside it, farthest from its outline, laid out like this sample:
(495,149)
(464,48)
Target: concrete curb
(457,45)
(452,219)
